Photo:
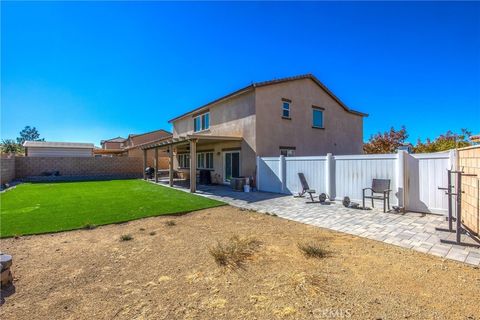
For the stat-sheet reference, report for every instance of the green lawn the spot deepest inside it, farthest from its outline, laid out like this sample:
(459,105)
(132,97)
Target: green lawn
(50,207)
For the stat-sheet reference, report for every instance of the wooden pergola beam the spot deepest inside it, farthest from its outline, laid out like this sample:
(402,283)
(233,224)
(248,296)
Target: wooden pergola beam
(193,165)
(170,166)
(144,164)
(155,162)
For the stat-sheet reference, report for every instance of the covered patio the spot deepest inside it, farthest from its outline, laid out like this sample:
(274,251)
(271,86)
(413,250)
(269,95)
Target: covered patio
(186,145)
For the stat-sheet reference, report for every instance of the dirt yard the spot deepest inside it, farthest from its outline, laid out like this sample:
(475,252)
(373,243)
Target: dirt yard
(167,272)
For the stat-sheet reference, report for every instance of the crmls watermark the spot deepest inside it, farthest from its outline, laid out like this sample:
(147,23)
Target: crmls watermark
(332,313)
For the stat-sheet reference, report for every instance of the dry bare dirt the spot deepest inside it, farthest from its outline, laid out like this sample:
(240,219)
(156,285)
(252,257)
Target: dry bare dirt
(167,272)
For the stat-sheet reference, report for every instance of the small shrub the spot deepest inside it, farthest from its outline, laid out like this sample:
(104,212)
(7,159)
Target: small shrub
(170,223)
(152,233)
(312,250)
(89,226)
(142,229)
(234,252)
(126,237)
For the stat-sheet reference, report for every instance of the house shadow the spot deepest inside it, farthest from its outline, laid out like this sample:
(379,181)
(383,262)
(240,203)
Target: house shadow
(6,292)
(227,191)
(221,190)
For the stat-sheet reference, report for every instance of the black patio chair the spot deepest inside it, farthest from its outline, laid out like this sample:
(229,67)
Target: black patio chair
(305,187)
(380,191)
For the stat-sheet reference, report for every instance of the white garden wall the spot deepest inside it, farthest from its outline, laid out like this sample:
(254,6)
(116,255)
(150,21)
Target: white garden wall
(414,178)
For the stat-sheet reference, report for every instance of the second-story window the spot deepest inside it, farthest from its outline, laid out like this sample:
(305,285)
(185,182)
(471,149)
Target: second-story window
(317,117)
(201,122)
(286,109)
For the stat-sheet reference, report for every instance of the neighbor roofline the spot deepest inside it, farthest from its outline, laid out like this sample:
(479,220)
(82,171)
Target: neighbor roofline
(267,83)
(131,135)
(111,140)
(149,142)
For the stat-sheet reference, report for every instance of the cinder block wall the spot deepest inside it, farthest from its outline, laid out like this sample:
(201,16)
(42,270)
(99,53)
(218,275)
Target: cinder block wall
(7,173)
(469,159)
(81,166)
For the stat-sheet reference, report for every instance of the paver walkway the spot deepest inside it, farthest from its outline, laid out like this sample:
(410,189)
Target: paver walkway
(410,230)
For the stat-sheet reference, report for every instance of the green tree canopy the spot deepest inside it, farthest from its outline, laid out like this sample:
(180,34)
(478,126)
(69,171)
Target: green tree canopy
(386,142)
(446,141)
(10,146)
(29,134)
(390,141)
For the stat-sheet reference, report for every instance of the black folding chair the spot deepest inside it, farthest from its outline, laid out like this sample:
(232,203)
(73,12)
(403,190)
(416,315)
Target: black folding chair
(380,191)
(305,187)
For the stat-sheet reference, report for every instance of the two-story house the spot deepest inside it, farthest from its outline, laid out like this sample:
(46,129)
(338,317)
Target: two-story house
(117,143)
(296,116)
(130,146)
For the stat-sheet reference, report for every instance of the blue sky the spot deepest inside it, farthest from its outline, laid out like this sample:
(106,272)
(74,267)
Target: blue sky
(86,71)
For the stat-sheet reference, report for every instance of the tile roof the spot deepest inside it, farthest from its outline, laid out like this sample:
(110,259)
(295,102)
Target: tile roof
(272,82)
(117,139)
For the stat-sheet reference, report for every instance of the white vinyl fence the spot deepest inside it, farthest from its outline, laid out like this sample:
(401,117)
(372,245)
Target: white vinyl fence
(414,178)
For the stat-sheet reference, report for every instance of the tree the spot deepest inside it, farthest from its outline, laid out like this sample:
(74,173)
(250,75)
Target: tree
(447,141)
(29,134)
(10,146)
(386,142)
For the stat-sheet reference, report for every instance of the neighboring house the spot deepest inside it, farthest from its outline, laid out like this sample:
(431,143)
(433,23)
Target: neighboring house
(135,140)
(57,149)
(131,146)
(117,143)
(296,116)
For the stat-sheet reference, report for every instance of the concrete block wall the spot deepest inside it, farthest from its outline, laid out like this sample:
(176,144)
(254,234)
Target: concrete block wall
(80,166)
(7,164)
(469,159)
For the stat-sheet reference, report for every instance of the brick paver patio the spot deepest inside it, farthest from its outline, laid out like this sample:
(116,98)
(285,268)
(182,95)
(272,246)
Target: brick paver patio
(410,230)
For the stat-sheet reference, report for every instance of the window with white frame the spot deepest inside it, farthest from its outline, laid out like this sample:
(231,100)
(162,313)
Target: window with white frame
(287,151)
(205,160)
(317,117)
(183,160)
(201,122)
(286,108)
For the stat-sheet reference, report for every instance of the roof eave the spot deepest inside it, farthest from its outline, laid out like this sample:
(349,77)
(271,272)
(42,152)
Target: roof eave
(268,83)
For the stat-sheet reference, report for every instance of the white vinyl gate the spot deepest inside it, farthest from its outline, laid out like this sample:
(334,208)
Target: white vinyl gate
(425,173)
(414,178)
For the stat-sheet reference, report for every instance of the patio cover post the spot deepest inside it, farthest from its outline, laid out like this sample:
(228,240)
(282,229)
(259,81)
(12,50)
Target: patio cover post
(170,166)
(193,165)
(144,164)
(155,161)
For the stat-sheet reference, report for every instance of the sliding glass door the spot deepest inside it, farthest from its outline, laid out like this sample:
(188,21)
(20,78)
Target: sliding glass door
(231,165)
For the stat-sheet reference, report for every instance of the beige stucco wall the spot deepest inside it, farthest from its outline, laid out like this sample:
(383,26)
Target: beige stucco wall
(256,116)
(343,133)
(236,118)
